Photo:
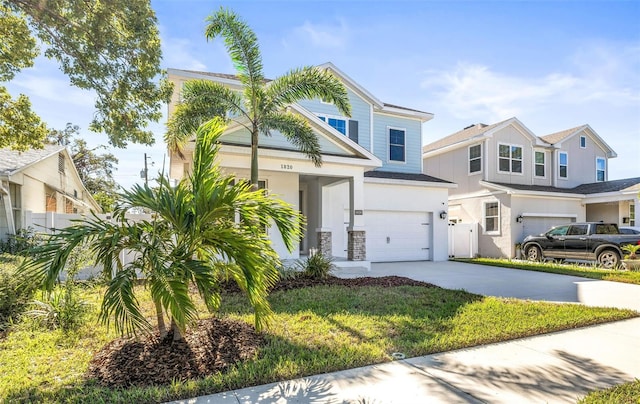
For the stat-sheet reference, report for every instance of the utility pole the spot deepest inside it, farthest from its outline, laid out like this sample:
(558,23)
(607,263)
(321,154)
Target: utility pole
(146,171)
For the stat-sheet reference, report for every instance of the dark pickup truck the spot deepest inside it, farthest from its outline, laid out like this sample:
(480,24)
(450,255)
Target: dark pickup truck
(597,241)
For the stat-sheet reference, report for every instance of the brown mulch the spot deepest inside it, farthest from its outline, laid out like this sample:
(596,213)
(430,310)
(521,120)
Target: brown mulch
(212,346)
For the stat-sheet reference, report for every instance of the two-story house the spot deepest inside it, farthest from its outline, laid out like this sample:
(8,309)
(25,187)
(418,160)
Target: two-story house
(514,183)
(369,201)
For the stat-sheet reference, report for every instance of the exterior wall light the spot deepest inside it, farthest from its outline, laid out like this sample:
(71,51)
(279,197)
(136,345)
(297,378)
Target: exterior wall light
(519,219)
(443,215)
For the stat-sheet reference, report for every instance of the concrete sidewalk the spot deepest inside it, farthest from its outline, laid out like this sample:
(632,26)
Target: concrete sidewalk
(553,368)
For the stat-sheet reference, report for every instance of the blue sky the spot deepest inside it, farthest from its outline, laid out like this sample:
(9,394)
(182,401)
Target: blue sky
(552,64)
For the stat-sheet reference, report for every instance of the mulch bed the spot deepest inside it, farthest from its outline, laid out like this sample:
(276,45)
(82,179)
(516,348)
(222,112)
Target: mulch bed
(212,346)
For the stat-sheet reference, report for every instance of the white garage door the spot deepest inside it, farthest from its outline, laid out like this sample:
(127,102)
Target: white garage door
(539,225)
(398,236)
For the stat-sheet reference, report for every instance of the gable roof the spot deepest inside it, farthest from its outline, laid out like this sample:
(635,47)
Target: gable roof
(556,139)
(405,176)
(560,136)
(13,161)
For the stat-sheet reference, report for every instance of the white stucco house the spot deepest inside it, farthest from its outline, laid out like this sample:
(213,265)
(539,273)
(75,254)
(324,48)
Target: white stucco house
(514,183)
(39,181)
(369,201)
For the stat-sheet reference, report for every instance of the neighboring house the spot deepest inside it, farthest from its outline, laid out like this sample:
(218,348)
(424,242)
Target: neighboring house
(514,183)
(39,181)
(369,201)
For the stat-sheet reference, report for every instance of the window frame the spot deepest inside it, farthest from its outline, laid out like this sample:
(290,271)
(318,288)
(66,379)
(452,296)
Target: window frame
(583,140)
(604,170)
(469,172)
(325,118)
(485,217)
(511,159)
(632,213)
(566,165)
(543,164)
(404,146)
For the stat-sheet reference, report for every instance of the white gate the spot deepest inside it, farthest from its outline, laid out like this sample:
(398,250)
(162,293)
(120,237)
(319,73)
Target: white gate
(463,240)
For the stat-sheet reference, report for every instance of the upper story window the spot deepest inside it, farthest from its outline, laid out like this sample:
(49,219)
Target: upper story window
(491,217)
(601,169)
(632,214)
(583,142)
(539,164)
(397,144)
(509,158)
(338,124)
(475,159)
(563,165)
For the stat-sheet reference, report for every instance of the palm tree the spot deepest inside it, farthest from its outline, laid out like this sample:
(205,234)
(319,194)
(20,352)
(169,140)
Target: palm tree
(208,228)
(261,106)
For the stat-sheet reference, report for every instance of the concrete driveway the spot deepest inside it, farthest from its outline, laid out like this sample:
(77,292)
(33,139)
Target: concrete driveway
(505,282)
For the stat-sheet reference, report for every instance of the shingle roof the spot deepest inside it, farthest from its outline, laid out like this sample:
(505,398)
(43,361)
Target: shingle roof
(405,108)
(404,176)
(583,189)
(458,137)
(12,160)
(560,136)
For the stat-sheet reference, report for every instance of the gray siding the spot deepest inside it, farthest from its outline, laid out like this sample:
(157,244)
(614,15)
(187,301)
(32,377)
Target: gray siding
(510,136)
(454,167)
(582,162)
(413,142)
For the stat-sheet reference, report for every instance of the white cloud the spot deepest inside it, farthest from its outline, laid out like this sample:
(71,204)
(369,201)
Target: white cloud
(179,53)
(598,74)
(327,36)
(52,87)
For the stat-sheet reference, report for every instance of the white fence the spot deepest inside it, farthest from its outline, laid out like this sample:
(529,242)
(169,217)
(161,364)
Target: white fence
(463,240)
(50,222)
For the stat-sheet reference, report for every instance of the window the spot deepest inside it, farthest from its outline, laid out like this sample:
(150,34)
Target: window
(475,159)
(336,123)
(583,142)
(509,158)
(601,170)
(396,144)
(61,162)
(632,214)
(578,230)
(563,165)
(539,164)
(558,231)
(491,217)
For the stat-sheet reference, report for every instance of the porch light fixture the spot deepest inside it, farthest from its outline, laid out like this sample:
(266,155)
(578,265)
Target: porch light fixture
(519,219)
(443,215)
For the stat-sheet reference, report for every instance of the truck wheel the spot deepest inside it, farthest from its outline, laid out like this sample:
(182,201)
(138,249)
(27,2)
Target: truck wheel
(609,259)
(533,253)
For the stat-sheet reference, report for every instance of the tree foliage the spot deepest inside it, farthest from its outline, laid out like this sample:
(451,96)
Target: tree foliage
(193,239)
(262,104)
(95,170)
(111,47)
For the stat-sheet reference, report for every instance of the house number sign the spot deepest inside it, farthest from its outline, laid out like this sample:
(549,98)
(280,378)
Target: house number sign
(286,166)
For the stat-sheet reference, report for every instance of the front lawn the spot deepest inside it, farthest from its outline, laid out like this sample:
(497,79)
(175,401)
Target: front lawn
(315,330)
(585,271)
(627,393)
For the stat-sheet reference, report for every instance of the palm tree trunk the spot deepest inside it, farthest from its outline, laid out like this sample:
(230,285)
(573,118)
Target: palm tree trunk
(254,158)
(177,334)
(162,328)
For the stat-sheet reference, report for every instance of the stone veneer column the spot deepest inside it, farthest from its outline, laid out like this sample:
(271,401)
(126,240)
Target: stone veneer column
(324,242)
(357,246)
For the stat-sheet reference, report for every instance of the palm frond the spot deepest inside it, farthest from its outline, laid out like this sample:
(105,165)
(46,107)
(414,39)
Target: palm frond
(241,43)
(120,303)
(297,131)
(307,83)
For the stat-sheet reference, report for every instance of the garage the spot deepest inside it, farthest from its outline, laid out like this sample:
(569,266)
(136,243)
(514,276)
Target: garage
(398,236)
(534,225)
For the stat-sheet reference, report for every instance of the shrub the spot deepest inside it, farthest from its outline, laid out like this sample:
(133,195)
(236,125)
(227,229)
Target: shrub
(21,242)
(61,308)
(317,266)
(14,294)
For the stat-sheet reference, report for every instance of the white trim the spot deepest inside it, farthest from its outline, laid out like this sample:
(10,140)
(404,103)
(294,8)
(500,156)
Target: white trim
(337,118)
(391,181)
(371,129)
(469,159)
(404,150)
(510,158)
(484,218)
(571,215)
(585,142)
(544,164)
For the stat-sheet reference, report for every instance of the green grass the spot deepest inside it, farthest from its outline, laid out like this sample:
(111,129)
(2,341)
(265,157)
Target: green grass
(315,330)
(585,271)
(627,393)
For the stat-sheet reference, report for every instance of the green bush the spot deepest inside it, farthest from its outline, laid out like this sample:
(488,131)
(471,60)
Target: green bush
(14,295)
(61,308)
(21,242)
(317,266)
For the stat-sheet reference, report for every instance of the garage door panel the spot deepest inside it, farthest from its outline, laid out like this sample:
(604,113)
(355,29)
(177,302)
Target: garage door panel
(534,226)
(397,236)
